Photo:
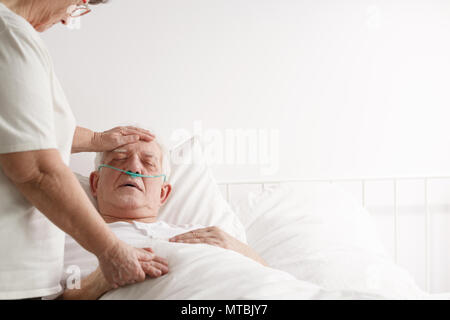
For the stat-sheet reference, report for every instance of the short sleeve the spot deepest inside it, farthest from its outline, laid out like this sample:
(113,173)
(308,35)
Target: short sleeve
(26,100)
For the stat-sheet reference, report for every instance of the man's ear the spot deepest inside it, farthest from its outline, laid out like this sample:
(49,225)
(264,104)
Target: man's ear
(93,182)
(166,188)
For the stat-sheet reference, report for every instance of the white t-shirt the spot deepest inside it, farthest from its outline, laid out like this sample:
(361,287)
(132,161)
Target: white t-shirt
(78,261)
(34,115)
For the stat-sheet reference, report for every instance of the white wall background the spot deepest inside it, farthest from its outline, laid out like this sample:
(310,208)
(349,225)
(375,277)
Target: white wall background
(352,87)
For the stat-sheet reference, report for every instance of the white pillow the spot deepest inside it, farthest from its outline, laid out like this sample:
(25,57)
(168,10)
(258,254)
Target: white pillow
(319,233)
(195,196)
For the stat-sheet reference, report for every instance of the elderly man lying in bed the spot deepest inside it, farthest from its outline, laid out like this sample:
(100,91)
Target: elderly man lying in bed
(130,188)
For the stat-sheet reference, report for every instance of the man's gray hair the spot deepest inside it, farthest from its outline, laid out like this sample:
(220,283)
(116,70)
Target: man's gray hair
(165,159)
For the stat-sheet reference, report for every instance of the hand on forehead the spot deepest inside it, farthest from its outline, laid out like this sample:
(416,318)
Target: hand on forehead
(143,148)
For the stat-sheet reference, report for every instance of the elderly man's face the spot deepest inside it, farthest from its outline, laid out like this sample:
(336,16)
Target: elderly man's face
(134,197)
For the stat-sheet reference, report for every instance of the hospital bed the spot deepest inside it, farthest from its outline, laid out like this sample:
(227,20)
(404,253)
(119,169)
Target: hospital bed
(394,219)
(318,240)
(235,191)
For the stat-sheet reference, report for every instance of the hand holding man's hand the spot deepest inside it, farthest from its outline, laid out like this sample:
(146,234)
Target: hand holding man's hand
(122,264)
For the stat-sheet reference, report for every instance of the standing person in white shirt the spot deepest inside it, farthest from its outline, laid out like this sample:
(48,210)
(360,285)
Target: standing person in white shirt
(39,195)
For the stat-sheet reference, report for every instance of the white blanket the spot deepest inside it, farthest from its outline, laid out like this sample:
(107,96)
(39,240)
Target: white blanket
(201,271)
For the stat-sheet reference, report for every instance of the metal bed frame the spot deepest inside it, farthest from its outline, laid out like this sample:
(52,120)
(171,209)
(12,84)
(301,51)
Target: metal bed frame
(363,182)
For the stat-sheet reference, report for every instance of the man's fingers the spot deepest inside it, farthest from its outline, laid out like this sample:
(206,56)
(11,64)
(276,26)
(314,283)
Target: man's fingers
(204,240)
(195,240)
(198,233)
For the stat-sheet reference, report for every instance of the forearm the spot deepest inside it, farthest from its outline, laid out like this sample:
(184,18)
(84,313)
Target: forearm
(83,140)
(215,236)
(249,252)
(58,195)
(91,288)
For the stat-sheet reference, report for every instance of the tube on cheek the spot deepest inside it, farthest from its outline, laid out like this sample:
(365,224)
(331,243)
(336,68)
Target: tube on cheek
(132,174)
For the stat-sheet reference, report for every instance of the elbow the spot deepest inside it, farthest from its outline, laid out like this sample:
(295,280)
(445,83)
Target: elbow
(30,167)
(33,175)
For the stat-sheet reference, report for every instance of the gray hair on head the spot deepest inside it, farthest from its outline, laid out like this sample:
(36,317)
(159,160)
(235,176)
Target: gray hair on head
(165,159)
(98,1)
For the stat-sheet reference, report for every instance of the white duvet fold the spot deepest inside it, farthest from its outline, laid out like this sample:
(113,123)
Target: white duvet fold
(201,271)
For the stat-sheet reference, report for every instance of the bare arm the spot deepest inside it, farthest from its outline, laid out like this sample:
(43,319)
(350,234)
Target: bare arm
(247,251)
(83,140)
(91,288)
(95,285)
(48,184)
(215,236)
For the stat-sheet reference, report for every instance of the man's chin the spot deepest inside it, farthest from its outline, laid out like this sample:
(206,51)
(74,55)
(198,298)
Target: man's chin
(127,201)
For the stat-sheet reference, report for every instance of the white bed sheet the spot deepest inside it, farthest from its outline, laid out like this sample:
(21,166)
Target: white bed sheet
(319,234)
(201,271)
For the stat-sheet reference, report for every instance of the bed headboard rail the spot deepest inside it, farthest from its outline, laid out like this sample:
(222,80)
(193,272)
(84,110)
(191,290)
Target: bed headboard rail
(363,182)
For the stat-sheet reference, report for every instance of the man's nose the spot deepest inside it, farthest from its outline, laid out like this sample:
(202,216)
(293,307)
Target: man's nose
(134,169)
(137,172)
(134,165)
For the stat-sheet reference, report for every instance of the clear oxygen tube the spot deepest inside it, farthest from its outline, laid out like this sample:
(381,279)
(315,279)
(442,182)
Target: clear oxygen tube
(132,174)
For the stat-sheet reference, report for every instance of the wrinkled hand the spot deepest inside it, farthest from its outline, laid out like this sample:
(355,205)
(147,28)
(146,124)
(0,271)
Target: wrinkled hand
(216,237)
(123,264)
(210,235)
(119,136)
